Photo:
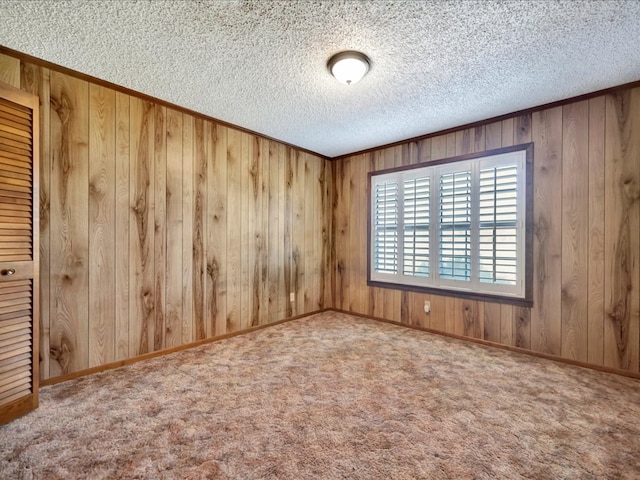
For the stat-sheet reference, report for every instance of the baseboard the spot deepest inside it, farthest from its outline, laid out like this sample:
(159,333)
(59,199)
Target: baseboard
(486,343)
(166,351)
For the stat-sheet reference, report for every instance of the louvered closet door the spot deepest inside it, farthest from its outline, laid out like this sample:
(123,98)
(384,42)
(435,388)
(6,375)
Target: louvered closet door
(18,253)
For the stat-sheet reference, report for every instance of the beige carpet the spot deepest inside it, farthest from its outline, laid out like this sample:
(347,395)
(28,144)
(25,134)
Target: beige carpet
(329,397)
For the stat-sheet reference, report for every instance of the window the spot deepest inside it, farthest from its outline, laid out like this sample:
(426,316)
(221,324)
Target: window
(462,225)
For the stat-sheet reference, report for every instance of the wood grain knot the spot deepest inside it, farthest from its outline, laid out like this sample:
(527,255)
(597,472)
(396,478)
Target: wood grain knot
(147,300)
(62,107)
(541,229)
(631,190)
(96,189)
(213,270)
(62,354)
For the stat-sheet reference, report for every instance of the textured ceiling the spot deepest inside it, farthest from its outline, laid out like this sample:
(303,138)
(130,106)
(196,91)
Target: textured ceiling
(262,64)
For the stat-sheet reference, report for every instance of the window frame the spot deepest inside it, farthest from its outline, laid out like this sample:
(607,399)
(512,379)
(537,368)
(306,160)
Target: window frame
(450,288)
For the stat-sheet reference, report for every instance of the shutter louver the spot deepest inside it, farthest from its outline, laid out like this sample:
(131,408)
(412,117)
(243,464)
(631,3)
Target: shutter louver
(498,224)
(455,226)
(16,171)
(416,227)
(16,340)
(386,227)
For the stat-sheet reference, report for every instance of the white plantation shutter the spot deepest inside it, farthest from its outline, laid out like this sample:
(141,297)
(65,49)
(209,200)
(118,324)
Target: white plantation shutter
(498,224)
(416,235)
(458,225)
(455,226)
(385,250)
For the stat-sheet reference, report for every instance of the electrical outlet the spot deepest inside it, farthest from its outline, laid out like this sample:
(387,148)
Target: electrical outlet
(427,306)
(292,297)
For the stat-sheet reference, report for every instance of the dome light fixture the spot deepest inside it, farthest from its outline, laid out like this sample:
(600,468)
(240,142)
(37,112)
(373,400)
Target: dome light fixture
(348,67)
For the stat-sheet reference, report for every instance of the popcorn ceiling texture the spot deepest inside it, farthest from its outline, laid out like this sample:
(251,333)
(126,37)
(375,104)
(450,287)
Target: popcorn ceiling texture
(262,64)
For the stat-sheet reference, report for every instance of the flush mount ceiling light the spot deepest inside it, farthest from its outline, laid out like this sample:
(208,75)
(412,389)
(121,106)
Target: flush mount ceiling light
(348,67)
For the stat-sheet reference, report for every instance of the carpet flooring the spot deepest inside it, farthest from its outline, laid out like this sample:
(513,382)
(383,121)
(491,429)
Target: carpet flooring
(332,396)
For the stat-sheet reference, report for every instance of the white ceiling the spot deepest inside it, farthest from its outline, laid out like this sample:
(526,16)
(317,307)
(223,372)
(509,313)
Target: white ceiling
(261,65)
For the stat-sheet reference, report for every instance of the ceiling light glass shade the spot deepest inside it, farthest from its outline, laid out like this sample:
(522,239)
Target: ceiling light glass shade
(348,67)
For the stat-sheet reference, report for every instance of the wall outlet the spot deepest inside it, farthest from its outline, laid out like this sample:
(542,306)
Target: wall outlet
(427,306)
(292,297)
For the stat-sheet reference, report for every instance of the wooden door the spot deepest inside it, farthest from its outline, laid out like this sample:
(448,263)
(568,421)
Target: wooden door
(19,147)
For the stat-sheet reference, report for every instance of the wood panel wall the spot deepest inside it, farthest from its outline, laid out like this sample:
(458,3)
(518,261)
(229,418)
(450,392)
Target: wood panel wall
(586,234)
(159,228)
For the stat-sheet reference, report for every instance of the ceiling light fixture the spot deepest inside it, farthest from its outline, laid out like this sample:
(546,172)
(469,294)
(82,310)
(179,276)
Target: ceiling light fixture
(348,67)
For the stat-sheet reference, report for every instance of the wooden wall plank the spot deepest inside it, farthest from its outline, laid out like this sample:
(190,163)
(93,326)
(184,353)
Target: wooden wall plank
(217,231)
(244,240)
(437,317)
(479,139)
(506,325)
(69,342)
(491,331)
(188,202)
(275,211)
(459,316)
(508,128)
(199,228)
(465,141)
(363,296)
(160,226)
(418,316)
(312,233)
(102,162)
(10,70)
(596,216)
(122,217)
(332,237)
(473,318)
(298,198)
(141,227)
(255,232)
(622,227)
(522,328)
(174,233)
(287,190)
(357,206)
(325,297)
(493,135)
(547,242)
(234,229)
(265,232)
(342,234)
(522,129)
(451,144)
(438,147)
(575,224)
(451,315)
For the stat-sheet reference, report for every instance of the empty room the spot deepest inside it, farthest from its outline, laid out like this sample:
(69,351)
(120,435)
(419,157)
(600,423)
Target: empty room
(361,239)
